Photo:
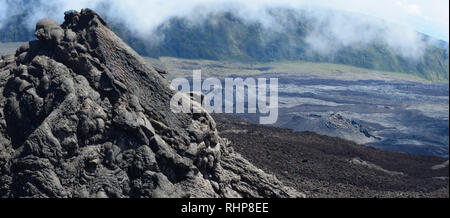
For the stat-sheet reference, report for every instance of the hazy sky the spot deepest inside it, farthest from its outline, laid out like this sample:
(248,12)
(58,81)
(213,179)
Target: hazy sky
(427,16)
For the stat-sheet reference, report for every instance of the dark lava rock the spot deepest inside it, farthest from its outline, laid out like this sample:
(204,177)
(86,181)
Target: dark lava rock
(82,115)
(329,167)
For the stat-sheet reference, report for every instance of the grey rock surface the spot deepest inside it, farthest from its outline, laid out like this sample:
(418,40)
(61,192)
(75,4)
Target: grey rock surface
(82,115)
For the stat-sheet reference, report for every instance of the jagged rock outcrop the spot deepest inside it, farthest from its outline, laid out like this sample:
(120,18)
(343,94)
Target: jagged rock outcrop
(81,115)
(333,124)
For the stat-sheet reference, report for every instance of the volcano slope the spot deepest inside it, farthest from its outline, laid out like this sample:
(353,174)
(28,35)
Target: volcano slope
(329,167)
(81,115)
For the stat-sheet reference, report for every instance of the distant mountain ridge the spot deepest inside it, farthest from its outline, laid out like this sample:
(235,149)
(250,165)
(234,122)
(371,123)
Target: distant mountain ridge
(226,36)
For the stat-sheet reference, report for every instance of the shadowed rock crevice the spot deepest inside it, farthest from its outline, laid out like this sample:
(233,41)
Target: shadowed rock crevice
(83,116)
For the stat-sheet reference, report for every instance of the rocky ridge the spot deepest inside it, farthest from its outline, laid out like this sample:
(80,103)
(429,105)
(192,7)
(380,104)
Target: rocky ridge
(82,115)
(333,124)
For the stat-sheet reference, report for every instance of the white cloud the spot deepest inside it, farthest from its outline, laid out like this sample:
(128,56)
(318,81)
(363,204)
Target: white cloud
(404,16)
(433,13)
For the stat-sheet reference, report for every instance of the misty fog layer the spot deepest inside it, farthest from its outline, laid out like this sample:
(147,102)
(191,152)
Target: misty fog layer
(330,30)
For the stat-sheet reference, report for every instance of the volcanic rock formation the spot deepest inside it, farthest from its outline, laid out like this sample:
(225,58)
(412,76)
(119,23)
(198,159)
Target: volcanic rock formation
(82,115)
